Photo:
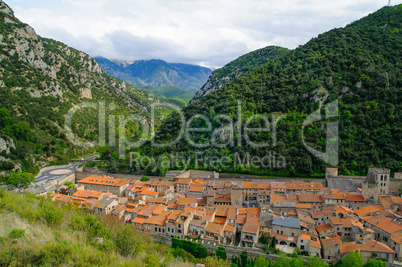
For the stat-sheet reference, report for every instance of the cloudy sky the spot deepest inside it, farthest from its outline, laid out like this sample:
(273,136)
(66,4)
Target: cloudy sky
(205,32)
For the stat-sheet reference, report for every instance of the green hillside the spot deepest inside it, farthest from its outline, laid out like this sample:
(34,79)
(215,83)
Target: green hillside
(238,67)
(359,66)
(171,92)
(40,81)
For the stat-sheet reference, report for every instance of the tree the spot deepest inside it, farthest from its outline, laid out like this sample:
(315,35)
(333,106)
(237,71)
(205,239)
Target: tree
(354,258)
(315,262)
(19,178)
(261,261)
(70,185)
(375,263)
(112,167)
(221,253)
(264,239)
(144,179)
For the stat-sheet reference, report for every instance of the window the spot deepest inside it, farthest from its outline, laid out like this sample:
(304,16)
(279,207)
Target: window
(293,234)
(156,229)
(302,247)
(281,232)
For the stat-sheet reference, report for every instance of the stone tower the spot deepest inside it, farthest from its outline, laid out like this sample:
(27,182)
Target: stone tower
(236,196)
(376,184)
(211,198)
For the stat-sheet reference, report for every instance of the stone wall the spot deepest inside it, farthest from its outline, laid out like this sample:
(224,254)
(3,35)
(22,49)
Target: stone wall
(394,186)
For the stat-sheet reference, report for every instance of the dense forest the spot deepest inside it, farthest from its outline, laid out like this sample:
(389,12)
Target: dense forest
(359,66)
(238,67)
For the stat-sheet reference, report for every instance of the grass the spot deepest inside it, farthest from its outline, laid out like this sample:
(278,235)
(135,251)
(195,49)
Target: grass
(34,231)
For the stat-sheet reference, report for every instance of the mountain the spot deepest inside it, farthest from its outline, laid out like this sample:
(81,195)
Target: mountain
(352,74)
(171,92)
(40,81)
(239,67)
(156,73)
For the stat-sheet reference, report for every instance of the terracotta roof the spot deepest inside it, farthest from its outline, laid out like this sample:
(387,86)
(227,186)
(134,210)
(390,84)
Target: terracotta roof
(338,196)
(327,242)
(195,188)
(383,223)
(303,206)
(103,180)
(323,227)
(278,185)
(310,198)
(186,201)
(367,210)
(186,181)
(229,228)
(251,226)
(277,199)
(214,228)
(354,198)
(397,239)
(396,200)
(343,210)
(247,185)
(241,219)
(321,213)
(369,245)
(138,220)
(157,220)
(253,212)
(315,242)
(220,220)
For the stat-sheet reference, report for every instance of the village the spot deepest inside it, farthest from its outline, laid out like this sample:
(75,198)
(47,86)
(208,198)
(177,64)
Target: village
(325,218)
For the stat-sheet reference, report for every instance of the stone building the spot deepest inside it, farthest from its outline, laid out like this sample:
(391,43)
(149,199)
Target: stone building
(376,184)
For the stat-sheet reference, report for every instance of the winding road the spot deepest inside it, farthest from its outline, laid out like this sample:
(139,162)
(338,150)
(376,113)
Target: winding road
(50,173)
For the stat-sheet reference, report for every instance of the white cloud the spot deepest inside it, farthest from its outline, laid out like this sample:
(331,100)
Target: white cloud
(208,32)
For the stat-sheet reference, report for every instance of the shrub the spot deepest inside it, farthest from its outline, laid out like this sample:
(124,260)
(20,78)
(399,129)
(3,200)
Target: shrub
(196,249)
(16,233)
(52,215)
(144,179)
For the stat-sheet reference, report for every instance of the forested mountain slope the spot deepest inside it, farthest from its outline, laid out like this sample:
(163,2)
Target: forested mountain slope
(359,66)
(239,67)
(40,81)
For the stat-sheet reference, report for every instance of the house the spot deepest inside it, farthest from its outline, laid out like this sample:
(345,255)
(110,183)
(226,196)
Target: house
(105,184)
(183,184)
(369,248)
(342,227)
(286,226)
(156,224)
(214,232)
(106,205)
(322,216)
(355,201)
(325,230)
(309,245)
(250,232)
(368,211)
(330,247)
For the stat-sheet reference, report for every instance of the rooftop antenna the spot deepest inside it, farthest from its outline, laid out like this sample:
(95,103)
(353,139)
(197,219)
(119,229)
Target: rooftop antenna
(389,2)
